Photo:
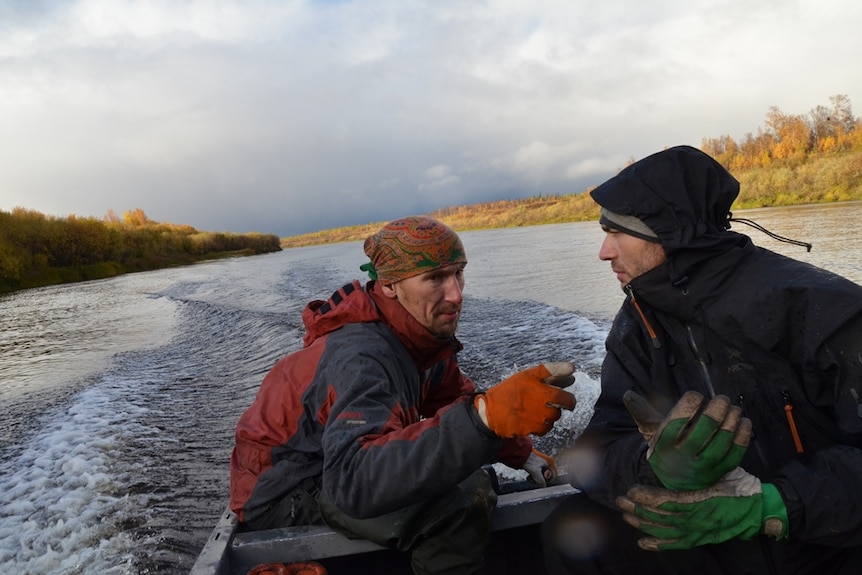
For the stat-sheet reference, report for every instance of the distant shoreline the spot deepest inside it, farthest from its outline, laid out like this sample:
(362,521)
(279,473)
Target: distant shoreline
(360,232)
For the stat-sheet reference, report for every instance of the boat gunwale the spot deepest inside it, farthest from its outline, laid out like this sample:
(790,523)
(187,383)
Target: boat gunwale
(228,551)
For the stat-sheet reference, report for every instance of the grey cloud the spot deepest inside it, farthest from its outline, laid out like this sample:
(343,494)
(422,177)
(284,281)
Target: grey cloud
(292,117)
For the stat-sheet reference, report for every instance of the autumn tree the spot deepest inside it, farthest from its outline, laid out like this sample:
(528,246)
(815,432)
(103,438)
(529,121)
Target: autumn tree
(135,218)
(791,134)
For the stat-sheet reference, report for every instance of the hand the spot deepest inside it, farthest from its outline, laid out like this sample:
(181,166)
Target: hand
(689,449)
(542,468)
(738,506)
(527,402)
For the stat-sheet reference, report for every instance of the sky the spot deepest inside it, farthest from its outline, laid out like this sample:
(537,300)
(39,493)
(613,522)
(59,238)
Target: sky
(293,116)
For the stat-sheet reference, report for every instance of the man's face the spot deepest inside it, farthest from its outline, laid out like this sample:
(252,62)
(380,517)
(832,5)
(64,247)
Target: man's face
(629,256)
(433,298)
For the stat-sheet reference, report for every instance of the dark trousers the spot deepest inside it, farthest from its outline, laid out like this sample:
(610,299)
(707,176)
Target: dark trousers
(298,507)
(581,537)
(447,534)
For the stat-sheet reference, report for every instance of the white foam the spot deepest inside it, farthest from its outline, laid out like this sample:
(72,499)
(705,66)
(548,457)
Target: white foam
(60,501)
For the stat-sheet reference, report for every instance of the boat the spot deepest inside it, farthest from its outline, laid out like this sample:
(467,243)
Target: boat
(514,546)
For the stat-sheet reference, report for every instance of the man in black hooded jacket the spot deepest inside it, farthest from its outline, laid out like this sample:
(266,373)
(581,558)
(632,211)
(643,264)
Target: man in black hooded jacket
(728,431)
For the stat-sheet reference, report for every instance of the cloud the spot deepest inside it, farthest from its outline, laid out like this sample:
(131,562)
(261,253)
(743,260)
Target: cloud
(438,177)
(297,115)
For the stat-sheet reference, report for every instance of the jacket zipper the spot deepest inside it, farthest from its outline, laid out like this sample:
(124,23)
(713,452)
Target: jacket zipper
(689,336)
(756,444)
(700,361)
(656,343)
(855,395)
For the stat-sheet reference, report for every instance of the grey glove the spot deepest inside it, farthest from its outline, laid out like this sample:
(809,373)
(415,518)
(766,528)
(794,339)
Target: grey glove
(541,468)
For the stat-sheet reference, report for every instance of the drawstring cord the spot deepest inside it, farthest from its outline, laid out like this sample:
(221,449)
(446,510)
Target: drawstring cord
(774,236)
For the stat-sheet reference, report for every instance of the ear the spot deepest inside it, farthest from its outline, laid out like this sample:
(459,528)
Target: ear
(388,290)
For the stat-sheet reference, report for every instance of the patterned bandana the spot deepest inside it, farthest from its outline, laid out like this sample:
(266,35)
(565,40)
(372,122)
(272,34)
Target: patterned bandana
(411,246)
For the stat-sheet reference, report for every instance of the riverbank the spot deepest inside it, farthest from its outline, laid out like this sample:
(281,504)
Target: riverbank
(38,250)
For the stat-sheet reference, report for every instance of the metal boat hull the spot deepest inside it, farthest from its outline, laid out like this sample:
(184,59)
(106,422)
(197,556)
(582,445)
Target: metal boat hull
(515,545)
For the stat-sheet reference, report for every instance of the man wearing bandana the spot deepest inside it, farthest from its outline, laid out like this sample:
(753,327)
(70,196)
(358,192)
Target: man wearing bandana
(372,427)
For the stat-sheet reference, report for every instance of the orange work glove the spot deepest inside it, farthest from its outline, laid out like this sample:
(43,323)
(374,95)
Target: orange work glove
(527,402)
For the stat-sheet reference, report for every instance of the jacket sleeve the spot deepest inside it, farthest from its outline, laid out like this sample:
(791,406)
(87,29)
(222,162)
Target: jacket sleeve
(609,457)
(379,455)
(454,386)
(515,451)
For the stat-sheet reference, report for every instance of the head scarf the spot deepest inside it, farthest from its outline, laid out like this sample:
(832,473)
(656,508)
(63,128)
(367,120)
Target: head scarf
(411,246)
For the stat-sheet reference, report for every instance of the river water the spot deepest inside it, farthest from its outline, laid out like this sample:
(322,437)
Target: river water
(120,396)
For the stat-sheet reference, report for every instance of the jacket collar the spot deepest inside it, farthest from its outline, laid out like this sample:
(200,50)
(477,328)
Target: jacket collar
(688,295)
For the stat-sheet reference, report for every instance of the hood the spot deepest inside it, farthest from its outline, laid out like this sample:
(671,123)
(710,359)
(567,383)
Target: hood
(684,196)
(349,304)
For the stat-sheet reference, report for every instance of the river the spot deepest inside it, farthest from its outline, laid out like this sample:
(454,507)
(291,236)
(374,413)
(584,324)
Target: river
(120,396)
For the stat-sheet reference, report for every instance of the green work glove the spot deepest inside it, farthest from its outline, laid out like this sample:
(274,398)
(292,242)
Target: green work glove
(738,506)
(690,449)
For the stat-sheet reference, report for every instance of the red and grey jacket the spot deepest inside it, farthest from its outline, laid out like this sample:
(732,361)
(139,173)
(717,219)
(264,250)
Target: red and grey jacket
(373,407)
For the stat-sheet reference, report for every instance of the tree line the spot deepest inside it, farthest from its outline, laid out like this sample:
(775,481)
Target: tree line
(37,250)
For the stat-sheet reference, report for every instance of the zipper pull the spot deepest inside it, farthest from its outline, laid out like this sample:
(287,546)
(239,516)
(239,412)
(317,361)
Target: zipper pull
(788,411)
(653,337)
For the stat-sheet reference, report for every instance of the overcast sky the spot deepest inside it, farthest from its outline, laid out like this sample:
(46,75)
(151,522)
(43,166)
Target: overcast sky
(290,116)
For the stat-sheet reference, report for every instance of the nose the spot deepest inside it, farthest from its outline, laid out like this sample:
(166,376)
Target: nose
(454,290)
(608,250)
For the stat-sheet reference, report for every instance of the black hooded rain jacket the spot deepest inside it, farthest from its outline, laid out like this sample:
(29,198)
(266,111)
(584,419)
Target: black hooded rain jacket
(779,337)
